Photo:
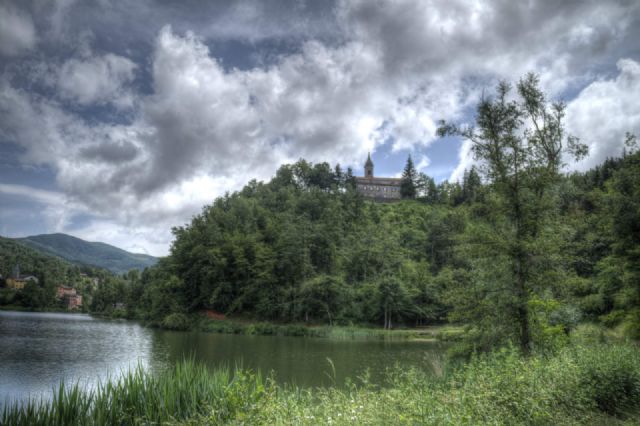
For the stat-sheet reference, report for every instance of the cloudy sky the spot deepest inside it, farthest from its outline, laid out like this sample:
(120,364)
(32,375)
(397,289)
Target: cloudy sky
(121,118)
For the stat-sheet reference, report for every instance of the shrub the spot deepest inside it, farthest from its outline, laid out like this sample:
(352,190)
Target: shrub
(294,330)
(631,324)
(262,328)
(176,322)
(610,376)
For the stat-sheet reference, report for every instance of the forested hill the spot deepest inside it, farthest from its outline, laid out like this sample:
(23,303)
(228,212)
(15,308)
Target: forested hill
(31,262)
(96,254)
(50,271)
(306,247)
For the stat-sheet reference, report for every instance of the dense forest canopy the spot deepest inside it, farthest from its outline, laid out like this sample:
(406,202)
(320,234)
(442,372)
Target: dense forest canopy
(306,247)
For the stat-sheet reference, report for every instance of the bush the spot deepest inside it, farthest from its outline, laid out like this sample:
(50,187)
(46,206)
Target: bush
(176,321)
(610,376)
(631,324)
(295,330)
(262,328)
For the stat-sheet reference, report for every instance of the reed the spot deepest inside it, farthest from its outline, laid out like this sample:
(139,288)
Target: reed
(580,384)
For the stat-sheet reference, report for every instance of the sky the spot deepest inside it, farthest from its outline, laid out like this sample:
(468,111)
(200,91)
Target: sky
(121,119)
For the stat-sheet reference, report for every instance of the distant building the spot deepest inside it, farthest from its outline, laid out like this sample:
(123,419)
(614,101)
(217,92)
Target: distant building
(18,281)
(15,283)
(74,302)
(377,188)
(63,291)
(71,298)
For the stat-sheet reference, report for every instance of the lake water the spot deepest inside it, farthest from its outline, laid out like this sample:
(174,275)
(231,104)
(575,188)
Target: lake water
(37,350)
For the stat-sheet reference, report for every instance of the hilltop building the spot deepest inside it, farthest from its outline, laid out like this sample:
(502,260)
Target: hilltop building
(377,188)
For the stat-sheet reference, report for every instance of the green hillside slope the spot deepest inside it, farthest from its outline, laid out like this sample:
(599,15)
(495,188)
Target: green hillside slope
(88,253)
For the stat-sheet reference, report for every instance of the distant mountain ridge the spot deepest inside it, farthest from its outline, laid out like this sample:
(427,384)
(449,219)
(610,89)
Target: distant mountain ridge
(97,254)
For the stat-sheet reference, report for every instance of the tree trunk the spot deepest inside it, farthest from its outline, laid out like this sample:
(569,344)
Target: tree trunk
(385,318)
(522,311)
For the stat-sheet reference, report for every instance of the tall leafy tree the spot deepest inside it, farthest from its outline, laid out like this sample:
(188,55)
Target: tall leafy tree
(519,144)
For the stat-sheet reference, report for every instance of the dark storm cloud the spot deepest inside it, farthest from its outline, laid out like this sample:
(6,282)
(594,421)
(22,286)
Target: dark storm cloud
(493,37)
(117,152)
(204,96)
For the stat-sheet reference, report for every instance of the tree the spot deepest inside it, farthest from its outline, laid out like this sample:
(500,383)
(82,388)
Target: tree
(322,295)
(619,274)
(349,180)
(471,185)
(431,191)
(519,144)
(409,179)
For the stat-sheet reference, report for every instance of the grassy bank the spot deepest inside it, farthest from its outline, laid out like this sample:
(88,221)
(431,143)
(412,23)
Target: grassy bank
(598,384)
(302,330)
(182,322)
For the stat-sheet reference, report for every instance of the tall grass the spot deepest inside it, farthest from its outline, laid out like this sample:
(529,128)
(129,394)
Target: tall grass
(597,384)
(299,330)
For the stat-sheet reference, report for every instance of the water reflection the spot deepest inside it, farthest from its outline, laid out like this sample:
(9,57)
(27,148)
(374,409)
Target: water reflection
(302,361)
(37,350)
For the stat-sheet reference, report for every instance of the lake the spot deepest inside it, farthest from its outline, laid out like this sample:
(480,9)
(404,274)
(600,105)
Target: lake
(37,350)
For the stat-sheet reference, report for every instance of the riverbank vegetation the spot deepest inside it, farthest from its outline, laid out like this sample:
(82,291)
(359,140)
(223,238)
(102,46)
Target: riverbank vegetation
(181,322)
(578,384)
(443,332)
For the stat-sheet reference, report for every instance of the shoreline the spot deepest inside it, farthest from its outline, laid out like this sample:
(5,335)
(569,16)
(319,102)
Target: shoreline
(595,384)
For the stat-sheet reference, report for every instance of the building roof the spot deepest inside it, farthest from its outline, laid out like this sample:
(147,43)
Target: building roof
(378,180)
(26,278)
(368,162)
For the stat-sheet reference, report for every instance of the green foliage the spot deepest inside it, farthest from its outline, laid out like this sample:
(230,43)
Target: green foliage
(305,247)
(50,271)
(520,143)
(176,321)
(599,384)
(409,180)
(610,378)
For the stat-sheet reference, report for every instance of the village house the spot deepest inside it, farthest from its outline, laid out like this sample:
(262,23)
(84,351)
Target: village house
(71,298)
(18,281)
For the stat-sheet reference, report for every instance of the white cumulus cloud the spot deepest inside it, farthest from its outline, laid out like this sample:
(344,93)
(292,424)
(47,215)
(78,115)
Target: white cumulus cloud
(604,111)
(97,79)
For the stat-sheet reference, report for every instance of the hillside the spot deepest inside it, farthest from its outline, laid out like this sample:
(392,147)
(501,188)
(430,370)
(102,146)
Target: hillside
(306,247)
(83,252)
(32,262)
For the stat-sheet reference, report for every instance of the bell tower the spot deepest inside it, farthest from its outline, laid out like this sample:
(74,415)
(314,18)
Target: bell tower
(368,167)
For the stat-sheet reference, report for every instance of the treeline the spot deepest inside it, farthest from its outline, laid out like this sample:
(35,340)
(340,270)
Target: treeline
(522,254)
(306,247)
